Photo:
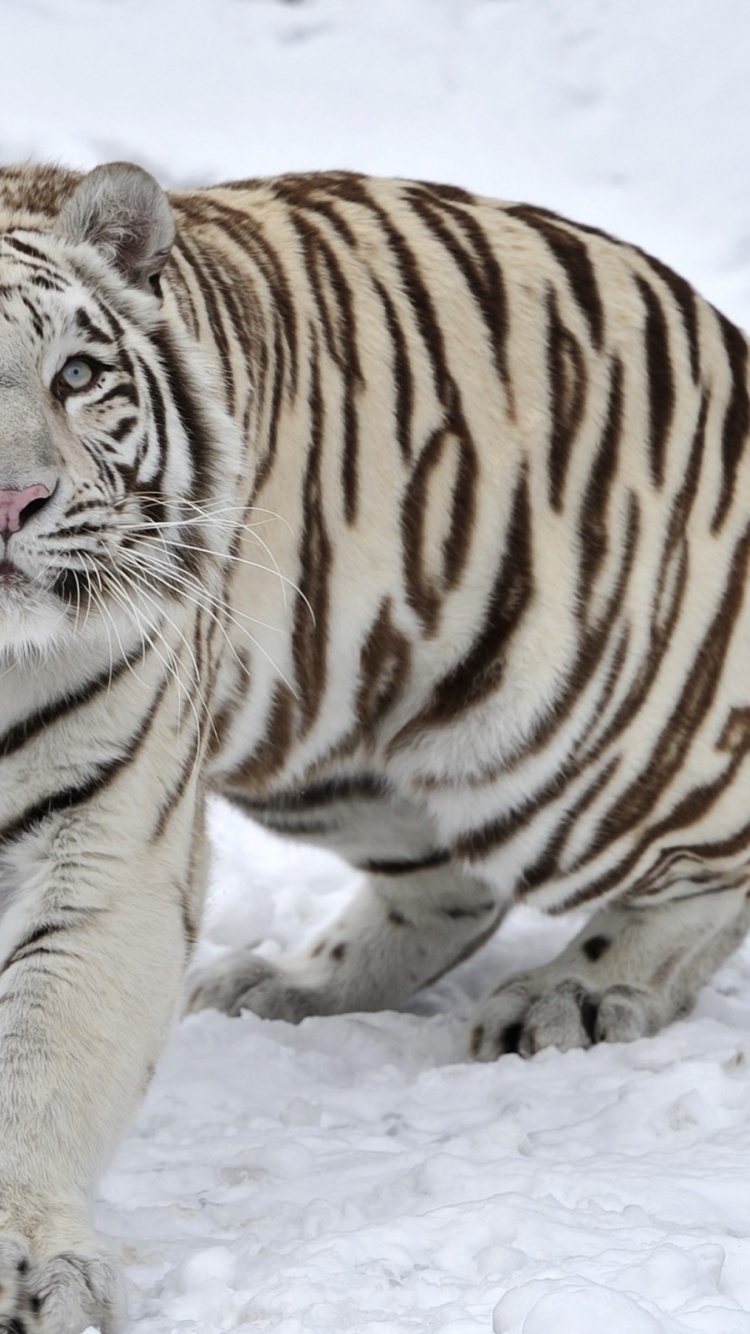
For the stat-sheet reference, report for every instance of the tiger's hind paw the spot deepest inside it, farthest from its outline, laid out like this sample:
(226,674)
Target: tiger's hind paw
(518,1018)
(627,974)
(65,1294)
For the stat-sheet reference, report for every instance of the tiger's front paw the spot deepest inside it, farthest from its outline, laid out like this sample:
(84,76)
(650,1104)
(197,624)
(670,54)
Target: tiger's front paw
(64,1294)
(521,1017)
(245,981)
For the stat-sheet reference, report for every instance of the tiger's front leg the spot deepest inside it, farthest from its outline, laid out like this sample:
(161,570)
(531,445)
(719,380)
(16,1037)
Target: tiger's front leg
(93,948)
(400,933)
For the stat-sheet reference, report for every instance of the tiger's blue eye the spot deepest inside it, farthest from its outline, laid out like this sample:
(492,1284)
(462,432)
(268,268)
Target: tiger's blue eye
(76,374)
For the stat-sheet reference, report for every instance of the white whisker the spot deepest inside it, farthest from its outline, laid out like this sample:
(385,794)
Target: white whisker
(119,592)
(243,560)
(176,582)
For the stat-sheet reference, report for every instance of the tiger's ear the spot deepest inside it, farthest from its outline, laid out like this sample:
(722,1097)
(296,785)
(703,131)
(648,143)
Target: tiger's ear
(124,213)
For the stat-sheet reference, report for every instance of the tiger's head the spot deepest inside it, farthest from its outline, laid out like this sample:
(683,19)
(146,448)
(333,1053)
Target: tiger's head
(112,439)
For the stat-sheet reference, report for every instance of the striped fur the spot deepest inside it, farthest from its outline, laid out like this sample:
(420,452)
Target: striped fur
(417,525)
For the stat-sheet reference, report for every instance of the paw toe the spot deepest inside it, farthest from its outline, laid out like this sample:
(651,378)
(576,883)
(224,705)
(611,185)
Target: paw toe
(622,1016)
(15,1265)
(499,1025)
(72,1290)
(564,1017)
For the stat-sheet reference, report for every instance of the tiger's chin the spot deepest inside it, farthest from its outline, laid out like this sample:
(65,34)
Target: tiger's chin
(32,623)
(37,626)
(36,622)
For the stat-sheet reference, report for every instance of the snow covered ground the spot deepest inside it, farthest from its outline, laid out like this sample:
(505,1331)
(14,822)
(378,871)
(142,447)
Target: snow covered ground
(358,1174)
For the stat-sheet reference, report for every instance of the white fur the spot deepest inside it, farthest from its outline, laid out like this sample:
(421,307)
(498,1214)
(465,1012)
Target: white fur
(218,673)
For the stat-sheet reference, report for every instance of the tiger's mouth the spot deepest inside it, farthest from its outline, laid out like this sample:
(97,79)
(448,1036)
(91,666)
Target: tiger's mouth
(11,577)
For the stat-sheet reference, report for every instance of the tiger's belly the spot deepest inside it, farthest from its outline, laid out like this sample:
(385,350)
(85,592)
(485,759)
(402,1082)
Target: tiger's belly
(613,792)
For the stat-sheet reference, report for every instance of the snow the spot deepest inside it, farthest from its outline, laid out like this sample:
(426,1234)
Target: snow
(358,1173)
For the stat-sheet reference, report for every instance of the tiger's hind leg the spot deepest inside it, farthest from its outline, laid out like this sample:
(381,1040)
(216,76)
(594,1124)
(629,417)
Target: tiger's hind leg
(399,933)
(632,970)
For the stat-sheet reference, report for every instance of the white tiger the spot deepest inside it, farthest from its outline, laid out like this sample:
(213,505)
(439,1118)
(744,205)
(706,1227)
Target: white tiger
(490,641)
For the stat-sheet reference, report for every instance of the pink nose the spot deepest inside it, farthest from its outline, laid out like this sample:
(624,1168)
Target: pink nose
(14,506)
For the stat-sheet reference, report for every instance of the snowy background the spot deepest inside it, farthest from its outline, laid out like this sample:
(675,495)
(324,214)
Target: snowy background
(357,1174)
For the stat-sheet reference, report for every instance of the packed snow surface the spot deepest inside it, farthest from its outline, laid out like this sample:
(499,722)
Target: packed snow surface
(359,1173)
